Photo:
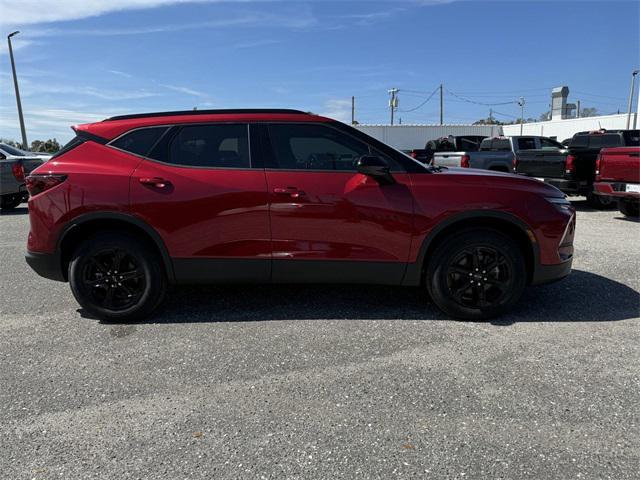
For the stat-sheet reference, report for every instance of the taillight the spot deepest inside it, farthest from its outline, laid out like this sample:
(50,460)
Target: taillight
(514,163)
(18,171)
(464,161)
(598,165)
(41,183)
(570,165)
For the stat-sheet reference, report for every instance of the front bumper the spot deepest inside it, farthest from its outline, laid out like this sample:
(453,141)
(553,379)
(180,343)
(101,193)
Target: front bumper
(46,265)
(551,273)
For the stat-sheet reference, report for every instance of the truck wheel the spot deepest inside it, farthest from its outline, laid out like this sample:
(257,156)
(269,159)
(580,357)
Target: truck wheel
(628,207)
(599,202)
(9,202)
(115,277)
(476,274)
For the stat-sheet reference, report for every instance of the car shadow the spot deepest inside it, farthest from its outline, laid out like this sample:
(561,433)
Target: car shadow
(581,297)
(15,211)
(583,206)
(628,219)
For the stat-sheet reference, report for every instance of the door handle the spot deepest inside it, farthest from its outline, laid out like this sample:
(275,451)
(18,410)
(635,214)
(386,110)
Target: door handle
(293,192)
(157,182)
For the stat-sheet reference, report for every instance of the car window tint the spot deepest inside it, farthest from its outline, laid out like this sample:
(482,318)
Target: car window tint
(579,141)
(606,140)
(526,144)
(632,138)
(214,146)
(314,147)
(549,144)
(139,141)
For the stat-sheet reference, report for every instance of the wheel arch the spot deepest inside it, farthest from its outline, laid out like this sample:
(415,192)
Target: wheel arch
(85,225)
(501,221)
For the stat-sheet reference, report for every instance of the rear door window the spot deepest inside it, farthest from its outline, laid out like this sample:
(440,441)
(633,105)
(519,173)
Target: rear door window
(526,143)
(139,141)
(213,146)
(605,140)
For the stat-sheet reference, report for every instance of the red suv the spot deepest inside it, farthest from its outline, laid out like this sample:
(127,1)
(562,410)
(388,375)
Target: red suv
(137,202)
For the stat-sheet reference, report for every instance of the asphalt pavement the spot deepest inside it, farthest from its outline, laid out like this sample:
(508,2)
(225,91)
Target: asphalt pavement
(327,382)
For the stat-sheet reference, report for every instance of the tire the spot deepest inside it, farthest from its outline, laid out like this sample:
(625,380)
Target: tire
(599,202)
(481,293)
(629,208)
(117,277)
(9,202)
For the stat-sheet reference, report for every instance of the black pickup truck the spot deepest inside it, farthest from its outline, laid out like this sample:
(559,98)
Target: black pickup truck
(574,170)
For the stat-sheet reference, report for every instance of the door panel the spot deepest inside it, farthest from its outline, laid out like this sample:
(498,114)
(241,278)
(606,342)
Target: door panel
(207,216)
(338,216)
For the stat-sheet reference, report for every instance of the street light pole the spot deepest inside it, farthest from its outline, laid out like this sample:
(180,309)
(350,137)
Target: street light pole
(521,103)
(25,145)
(633,84)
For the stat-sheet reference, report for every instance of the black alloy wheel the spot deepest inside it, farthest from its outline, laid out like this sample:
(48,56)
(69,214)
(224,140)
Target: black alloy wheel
(117,277)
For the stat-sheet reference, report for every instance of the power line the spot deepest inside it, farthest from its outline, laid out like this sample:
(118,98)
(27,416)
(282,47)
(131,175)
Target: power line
(479,103)
(596,95)
(423,103)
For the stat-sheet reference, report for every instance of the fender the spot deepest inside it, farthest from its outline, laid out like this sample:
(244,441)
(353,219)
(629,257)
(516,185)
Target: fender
(413,275)
(126,218)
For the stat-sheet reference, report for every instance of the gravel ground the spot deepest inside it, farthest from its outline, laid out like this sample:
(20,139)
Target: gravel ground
(327,382)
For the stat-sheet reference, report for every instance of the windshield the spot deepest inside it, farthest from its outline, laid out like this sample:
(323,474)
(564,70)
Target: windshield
(12,150)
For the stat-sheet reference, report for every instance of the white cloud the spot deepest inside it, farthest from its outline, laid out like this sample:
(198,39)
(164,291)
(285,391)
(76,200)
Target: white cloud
(180,89)
(120,74)
(337,109)
(22,12)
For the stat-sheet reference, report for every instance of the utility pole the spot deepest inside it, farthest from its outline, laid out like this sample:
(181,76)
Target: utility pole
(353,110)
(393,101)
(441,105)
(521,103)
(25,145)
(491,116)
(633,84)
(577,108)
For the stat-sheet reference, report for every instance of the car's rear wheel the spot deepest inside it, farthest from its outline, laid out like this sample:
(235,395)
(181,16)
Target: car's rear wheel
(629,207)
(117,277)
(476,274)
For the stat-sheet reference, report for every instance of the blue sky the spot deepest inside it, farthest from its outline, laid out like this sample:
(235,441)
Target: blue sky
(83,60)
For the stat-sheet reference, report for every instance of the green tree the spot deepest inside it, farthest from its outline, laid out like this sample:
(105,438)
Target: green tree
(589,112)
(45,146)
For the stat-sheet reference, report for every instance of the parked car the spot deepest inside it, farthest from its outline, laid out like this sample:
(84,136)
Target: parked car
(498,153)
(573,171)
(14,166)
(618,176)
(469,143)
(137,202)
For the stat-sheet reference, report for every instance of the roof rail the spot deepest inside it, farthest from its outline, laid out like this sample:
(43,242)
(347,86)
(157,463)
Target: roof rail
(204,112)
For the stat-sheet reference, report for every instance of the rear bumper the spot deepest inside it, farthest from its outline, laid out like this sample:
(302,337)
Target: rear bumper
(46,265)
(615,189)
(551,273)
(574,187)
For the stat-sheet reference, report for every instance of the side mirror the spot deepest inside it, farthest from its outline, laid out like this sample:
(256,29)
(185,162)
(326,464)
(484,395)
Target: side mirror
(375,168)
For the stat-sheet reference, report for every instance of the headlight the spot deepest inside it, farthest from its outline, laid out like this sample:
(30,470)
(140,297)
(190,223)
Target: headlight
(561,203)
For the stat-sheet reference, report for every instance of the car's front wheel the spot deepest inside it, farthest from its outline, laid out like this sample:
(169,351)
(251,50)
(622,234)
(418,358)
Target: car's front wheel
(476,274)
(117,277)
